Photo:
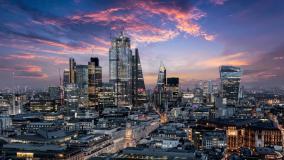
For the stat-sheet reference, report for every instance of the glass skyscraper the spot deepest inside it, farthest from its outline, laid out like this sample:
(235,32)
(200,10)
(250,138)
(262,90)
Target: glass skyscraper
(94,79)
(139,92)
(120,69)
(160,90)
(82,79)
(66,77)
(230,83)
(72,70)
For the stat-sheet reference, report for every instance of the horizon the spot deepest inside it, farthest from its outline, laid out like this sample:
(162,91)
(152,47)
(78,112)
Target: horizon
(191,38)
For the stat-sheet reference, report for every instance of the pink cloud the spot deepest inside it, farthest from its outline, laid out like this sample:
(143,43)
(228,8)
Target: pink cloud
(36,57)
(26,71)
(236,59)
(142,31)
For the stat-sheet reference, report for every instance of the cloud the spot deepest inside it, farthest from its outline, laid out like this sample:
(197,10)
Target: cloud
(137,19)
(36,57)
(25,71)
(267,70)
(218,2)
(236,59)
(184,20)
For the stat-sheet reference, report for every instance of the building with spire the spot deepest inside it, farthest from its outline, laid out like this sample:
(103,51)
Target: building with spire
(160,90)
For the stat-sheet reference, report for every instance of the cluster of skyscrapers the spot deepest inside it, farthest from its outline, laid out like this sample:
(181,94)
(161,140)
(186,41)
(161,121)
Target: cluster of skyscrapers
(126,83)
(125,73)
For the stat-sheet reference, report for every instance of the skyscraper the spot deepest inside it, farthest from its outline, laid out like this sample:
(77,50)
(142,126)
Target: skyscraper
(120,69)
(173,88)
(139,92)
(230,83)
(94,79)
(72,70)
(162,76)
(82,79)
(66,77)
(71,98)
(160,90)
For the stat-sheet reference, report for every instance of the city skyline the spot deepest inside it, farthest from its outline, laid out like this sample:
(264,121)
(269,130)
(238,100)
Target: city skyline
(192,38)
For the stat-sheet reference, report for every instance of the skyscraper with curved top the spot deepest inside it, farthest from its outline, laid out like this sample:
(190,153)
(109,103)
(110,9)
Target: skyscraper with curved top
(230,83)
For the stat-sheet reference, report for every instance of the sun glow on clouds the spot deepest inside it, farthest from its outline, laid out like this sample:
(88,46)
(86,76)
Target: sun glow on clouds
(37,57)
(236,59)
(142,30)
(26,71)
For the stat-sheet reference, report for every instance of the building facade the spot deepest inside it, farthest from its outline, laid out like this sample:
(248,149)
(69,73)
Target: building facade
(230,83)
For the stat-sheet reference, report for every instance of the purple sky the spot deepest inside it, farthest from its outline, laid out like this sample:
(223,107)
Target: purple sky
(192,38)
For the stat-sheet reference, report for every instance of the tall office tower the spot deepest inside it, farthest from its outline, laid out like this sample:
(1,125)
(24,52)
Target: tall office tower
(94,79)
(72,70)
(71,98)
(120,69)
(98,73)
(82,79)
(173,88)
(230,83)
(139,92)
(66,77)
(160,90)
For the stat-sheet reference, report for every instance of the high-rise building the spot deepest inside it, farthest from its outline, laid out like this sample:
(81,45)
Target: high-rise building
(94,79)
(82,79)
(72,70)
(71,98)
(162,77)
(207,87)
(230,83)
(66,77)
(160,90)
(120,69)
(139,92)
(173,88)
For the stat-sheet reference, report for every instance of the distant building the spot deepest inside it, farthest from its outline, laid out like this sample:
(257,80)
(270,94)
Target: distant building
(5,123)
(71,97)
(173,88)
(160,90)
(230,83)
(72,70)
(106,95)
(41,105)
(94,79)
(82,79)
(54,92)
(66,77)
(207,87)
(41,151)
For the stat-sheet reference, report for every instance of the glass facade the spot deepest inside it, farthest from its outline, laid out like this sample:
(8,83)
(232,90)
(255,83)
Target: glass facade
(230,83)
(72,69)
(160,90)
(94,79)
(139,92)
(120,69)
(82,79)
